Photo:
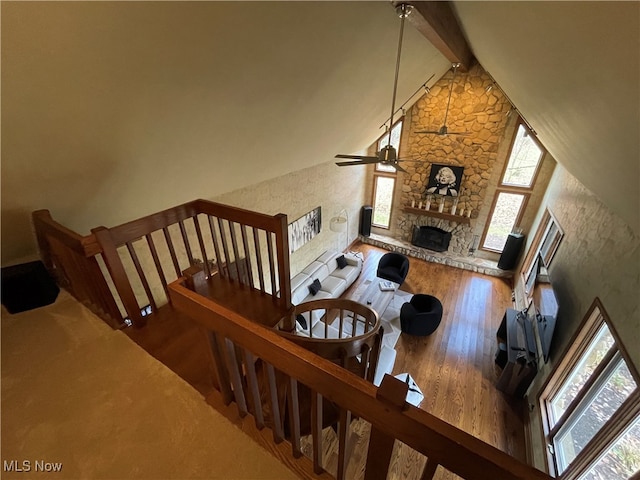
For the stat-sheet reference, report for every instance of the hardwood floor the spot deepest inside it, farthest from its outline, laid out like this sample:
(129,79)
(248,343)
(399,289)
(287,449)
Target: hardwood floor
(454,366)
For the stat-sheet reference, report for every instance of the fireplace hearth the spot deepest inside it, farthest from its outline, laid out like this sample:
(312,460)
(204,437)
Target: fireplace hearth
(431,238)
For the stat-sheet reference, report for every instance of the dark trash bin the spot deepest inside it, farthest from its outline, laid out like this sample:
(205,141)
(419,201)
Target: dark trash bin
(27,286)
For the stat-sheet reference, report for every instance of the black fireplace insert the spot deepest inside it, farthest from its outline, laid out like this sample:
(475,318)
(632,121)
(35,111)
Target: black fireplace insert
(431,238)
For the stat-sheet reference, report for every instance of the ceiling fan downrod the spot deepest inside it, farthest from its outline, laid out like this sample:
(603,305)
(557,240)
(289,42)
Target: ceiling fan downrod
(403,10)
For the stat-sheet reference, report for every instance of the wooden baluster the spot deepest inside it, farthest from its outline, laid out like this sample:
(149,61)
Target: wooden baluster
(278,430)
(214,239)
(343,443)
(256,242)
(365,359)
(429,470)
(247,255)
(236,379)
(236,253)
(224,381)
(119,276)
(156,261)
(316,431)
(172,251)
(225,249)
(394,393)
(104,300)
(254,390)
(271,265)
(294,417)
(143,278)
(284,273)
(375,354)
(185,239)
(203,251)
(326,323)
(341,321)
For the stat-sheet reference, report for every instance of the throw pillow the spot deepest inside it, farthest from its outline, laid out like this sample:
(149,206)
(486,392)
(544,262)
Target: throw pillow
(301,321)
(315,287)
(342,262)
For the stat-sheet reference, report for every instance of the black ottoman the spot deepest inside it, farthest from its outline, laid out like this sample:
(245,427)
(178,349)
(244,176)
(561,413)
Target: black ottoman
(27,286)
(421,315)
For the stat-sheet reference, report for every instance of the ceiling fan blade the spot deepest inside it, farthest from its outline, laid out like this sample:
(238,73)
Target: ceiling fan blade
(398,167)
(358,162)
(440,133)
(357,157)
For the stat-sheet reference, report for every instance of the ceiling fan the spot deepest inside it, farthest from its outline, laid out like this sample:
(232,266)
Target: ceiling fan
(442,131)
(387,154)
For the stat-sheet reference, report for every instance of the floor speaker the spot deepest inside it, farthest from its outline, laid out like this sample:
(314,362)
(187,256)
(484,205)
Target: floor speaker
(511,251)
(366,214)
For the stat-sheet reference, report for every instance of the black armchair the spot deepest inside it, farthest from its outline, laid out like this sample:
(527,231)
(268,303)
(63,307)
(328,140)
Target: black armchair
(421,315)
(393,267)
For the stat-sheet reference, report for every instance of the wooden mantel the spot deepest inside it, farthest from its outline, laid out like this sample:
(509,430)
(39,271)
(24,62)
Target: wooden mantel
(437,214)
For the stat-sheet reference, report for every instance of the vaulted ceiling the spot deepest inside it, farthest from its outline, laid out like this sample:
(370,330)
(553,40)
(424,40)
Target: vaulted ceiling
(143,105)
(573,70)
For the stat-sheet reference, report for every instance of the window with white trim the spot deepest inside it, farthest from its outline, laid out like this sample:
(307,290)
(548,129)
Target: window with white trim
(591,406)
(384,180)
(544,246)
(514,190)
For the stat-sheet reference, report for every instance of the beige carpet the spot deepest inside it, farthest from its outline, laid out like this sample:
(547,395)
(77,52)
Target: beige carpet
(76,392)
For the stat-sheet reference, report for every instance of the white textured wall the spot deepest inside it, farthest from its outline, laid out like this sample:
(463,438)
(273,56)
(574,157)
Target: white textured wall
(327,185)
(599,257)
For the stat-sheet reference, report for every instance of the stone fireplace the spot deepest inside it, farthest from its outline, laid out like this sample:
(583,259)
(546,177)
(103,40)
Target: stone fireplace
(431,238)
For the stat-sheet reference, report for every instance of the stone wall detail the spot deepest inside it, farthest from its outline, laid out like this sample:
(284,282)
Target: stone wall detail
(476,109)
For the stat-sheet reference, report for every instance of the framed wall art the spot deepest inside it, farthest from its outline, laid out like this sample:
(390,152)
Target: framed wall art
(304,229)
(444,180)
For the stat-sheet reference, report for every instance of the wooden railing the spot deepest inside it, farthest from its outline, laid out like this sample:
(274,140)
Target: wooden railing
(72,260)
(239,346)
(239,252)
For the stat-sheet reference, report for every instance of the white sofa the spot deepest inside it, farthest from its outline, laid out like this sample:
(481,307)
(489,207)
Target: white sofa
(334,282)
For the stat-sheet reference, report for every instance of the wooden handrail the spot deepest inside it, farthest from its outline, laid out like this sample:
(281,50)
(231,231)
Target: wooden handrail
(135,229)
(449,446)
(45,224)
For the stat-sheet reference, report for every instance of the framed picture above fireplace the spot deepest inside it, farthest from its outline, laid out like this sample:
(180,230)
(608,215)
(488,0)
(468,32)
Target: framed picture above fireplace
(445,180)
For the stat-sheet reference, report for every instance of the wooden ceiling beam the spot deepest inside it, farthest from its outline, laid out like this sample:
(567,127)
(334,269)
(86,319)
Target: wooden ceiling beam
(437,22)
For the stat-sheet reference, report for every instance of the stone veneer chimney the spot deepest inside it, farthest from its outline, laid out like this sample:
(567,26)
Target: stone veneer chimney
(473,109)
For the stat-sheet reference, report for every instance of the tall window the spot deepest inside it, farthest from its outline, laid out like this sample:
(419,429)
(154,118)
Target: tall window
(514,189)
(544,246)
(591,406)
(384,180)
